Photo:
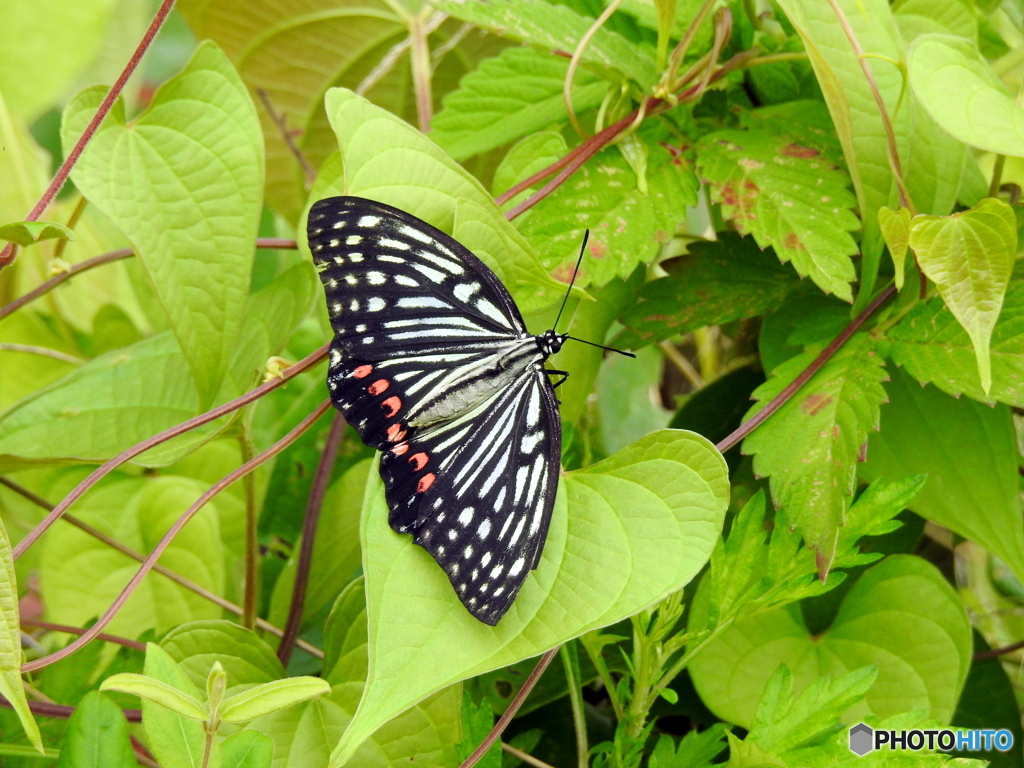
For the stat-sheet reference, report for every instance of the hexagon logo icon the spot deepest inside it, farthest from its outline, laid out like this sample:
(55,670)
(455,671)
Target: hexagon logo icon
(861,739)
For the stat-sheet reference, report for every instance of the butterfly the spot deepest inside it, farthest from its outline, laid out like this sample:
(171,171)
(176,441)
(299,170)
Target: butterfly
(432,364)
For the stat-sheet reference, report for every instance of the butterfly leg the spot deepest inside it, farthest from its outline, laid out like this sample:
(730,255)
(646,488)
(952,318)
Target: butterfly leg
(553,372)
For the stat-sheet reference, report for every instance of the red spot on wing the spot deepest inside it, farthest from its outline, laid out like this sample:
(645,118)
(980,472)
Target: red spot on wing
(419,460)
(425,482)
(378,386)
(362,371)
(392,404)
(398,450)
(395,433)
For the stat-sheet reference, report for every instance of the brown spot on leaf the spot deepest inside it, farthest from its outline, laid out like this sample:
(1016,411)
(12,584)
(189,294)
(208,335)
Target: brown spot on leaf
(814,403)
(564,273)
(598,249)
(798,150)
(792,242)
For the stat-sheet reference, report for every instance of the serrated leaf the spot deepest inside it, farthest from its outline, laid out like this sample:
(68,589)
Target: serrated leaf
(557,27)
(388,160)
(969,452)
(811,445)
(695,750)
(509,96)
(806,121)
(10,643)
(713,283)
(184,182)
(477,722)
(270,697)
(895,226)
(901,614)
(934,348)
(963,95)
(642,523)
(151,689)
(176,741)
(526,158)
(97,736)
(788,197)
(627,227)
(969,256)
(25,233)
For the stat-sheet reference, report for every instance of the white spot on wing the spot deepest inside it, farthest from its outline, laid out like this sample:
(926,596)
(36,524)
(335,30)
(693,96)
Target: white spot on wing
(483,531)
(376,278)
(464,290)
(466,516)
(369,221)
(376,304)
(387,242)
(414,233)
(517,566)
(353,240)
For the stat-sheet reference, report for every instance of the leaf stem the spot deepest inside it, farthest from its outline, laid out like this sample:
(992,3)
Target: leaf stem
(780,399)
(7,254)
(42,352)
(574,63)
(526,757)
(280,119)
(513,707)
(321,479)
(168,537)
(997,176)
(570,661)
(252,544)
(135,644)
(419,61)
(111,464)
(177,578)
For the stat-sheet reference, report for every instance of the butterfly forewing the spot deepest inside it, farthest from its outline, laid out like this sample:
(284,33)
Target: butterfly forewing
(432,364)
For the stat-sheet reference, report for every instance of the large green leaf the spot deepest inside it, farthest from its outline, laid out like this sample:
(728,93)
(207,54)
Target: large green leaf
(712,283)
(97,736)
(176,741)
(788,197)
(386,159)
(10,643)
(557,27)
(336,554)
(80,576)
(932,161)
(811,445)
(969,452)
(970,256)
(901,615)
(625,532)
(512,95)
(247,749)
(628,222)
(962,93)
(184,182)
(934,348)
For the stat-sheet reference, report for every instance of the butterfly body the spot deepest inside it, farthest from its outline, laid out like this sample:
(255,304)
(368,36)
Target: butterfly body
(432,364)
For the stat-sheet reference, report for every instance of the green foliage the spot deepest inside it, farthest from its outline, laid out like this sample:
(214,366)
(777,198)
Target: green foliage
(771,593)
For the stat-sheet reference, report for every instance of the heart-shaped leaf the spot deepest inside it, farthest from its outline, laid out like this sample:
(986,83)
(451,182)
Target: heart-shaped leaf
(184,182)
(901,615)
(625,533)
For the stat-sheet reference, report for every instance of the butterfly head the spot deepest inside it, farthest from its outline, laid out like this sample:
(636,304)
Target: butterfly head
(550,342)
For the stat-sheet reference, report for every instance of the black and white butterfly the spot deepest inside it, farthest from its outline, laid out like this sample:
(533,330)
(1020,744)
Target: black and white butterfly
(432,364)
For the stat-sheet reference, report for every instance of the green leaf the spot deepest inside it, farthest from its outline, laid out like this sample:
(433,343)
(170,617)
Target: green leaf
(783,722)
(176,742)
(151,689)
(526,158)
(932,161)
(386,159)
(270,697)
(642,523)
(81,576)
(788,197)
(627,227)
(247,749)
(895,226)
(969,256)
(184,182)
(900,614)
(336,554)
(557,27)
(509,96)
(919,17)
(10,644)
(25,233)
(477,722)
(963,95)
(628,399)
(97,736)
(713,283)
(246,658)
(968,450)
(934,348)
(810,446)
(695,750)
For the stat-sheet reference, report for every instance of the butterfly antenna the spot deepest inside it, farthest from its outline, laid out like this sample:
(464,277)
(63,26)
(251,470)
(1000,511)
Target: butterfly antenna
(583,248)
(610,349)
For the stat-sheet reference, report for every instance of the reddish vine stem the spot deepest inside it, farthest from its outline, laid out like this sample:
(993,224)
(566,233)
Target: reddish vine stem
(280,119)
(995,653)
(316,501)
(64,712)
(135,644)
(168,537)
(7,254)
(108,258)
(111,464)
(513,707)
(780,399)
